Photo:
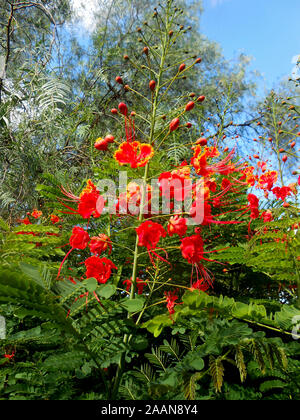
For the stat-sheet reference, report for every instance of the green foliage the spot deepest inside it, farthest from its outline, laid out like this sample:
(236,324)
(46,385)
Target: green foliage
(71,338)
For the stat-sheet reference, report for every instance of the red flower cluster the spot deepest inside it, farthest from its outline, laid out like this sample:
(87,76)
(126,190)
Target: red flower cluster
(36,214)
(79,238)
(177,184)
(54,219)
(90,202)
(135,154)
(132,152)
(149,234)
(171,298)
(177,226)
(9,356)
(130,202)
(253,205)
(100,244)
(99,268)
(282,193)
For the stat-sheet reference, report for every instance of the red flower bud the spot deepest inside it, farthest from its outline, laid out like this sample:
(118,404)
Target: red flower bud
(126,57)
(101,144)
(146,50)
(202,141)
(123,108)
(293,144)
(201,98)
(188,125)
(109,138)
(190,106)
(114,111)
(119,80)
(198,60)
(182,67)
(152,85)
(174,124)
(285,158)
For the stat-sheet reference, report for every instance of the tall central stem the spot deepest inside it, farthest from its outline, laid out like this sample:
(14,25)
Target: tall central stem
(151,137)
(165,46)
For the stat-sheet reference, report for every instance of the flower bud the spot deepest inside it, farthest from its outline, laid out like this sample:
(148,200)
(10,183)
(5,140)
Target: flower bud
(109,138)
(201,98)
(202,141)
(114,111)
(123,108)
(285,158)
(181,67)
(101,144)
(119,80)
(190,106)
(146,50)
(152,85)
(198,60)
(174,124)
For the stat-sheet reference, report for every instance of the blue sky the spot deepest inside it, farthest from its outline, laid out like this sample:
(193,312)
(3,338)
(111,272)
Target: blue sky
(267,30)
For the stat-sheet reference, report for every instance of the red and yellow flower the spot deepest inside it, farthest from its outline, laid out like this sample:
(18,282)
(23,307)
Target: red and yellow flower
(100,244)
(135,154)
(36,214)
(90,202)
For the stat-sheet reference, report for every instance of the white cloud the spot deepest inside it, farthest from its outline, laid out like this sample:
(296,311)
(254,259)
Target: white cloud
(86,13)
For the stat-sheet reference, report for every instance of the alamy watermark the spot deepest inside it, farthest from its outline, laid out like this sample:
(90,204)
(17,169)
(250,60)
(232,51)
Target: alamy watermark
(160,197)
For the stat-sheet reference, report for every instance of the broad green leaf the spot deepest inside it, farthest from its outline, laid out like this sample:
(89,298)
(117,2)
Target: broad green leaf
(106,291)
(134,305)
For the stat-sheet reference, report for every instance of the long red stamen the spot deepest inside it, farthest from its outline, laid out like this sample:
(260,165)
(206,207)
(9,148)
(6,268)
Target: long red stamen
(63,261)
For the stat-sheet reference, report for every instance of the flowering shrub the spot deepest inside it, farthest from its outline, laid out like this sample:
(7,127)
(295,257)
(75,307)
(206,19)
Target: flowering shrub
(158,233)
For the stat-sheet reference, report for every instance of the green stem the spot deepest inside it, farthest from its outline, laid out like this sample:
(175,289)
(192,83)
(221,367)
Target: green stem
(141,216)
